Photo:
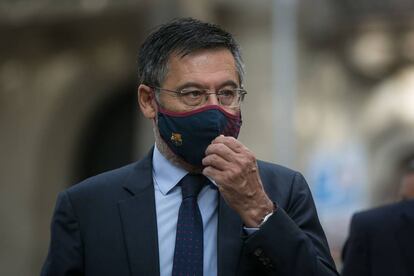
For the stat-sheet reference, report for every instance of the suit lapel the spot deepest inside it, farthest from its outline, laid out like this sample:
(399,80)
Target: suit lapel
(139,222)
(405,237)
(229,242)
(138,218)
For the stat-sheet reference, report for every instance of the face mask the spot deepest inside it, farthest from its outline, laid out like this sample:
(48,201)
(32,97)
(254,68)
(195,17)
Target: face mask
(188,134)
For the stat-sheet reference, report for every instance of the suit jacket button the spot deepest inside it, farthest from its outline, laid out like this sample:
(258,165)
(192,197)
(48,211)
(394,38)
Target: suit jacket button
(258,252)
(265,261)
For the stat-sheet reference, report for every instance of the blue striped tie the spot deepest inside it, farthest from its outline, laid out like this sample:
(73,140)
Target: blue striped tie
(188,253)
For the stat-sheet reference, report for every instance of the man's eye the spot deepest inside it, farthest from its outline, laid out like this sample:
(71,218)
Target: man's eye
(227,93)
(192,93)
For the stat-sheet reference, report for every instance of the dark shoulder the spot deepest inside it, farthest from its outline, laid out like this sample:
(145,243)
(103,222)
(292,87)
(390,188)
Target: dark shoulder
(268,169)
(283,185)
(105,181)
(274,173)
(377,214)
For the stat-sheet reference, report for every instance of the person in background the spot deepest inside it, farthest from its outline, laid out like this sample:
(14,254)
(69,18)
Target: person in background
(199,203)
(381,240)
(407,183)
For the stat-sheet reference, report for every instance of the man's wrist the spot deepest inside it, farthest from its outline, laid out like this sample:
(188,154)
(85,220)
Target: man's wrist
(260,215)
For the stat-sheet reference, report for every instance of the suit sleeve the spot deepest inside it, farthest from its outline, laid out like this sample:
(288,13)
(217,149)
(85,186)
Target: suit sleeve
(65,257)
(355,254)
(292,242)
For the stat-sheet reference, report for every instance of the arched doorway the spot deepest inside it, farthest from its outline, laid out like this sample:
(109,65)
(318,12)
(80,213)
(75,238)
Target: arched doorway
(107,141)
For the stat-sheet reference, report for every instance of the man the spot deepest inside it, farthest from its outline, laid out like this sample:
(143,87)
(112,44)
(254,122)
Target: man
(381,240)
(407,183)
(247,217)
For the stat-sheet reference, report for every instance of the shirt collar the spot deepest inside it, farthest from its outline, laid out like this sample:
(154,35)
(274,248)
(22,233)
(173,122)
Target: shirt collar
(166,174)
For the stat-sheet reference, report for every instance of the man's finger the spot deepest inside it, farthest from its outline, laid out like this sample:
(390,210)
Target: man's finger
(215,161)
(230,142)
(221,150)
(213,173)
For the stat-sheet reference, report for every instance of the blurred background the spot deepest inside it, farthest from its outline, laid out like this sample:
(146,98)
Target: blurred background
(331,94)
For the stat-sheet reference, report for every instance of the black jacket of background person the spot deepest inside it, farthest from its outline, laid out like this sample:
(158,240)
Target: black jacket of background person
(106,225)
(381,242)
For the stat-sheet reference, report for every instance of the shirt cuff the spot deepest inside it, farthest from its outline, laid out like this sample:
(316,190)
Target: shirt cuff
(250,230)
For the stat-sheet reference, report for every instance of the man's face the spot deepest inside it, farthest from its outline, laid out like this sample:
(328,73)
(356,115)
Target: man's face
(213,69)
(407,187)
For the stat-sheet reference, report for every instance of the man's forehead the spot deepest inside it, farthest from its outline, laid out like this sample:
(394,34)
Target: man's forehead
(208,61)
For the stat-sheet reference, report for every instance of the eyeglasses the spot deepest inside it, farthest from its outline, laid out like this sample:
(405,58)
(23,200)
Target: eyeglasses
(227,97)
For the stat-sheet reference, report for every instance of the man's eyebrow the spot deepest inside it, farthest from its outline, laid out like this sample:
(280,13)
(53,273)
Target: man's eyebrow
(229,83)
(198,85)
(189,84)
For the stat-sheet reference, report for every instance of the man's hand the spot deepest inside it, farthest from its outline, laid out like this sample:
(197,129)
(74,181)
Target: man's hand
(234,168)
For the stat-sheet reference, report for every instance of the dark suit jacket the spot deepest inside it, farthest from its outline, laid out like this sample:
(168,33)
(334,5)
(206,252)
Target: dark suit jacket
(381,242)
(106,225)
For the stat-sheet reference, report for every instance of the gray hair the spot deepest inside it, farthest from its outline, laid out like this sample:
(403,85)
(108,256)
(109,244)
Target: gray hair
(182,37)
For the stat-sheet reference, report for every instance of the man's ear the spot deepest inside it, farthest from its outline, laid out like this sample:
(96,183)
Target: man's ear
(146,101)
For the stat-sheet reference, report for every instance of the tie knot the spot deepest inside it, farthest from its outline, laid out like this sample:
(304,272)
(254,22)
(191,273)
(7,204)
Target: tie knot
(191,185)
